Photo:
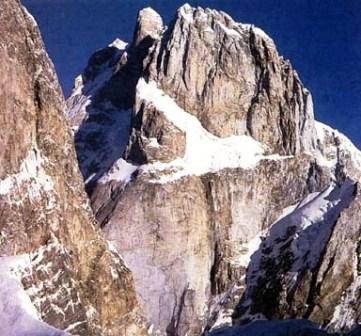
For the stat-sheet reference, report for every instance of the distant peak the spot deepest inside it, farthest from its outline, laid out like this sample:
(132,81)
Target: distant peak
(149,24)
(185,9)
(148,11)
(186,6)
(119,44)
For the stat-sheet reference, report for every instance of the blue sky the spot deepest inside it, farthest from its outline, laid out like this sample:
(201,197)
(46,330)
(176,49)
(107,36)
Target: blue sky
(322,38)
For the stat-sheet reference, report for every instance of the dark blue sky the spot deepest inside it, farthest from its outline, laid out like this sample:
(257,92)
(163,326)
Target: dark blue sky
(322,38)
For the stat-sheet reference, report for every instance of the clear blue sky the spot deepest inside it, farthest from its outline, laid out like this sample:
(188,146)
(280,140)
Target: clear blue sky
(322,38)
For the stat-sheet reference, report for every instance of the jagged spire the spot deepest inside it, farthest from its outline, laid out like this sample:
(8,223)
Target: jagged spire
(149,25)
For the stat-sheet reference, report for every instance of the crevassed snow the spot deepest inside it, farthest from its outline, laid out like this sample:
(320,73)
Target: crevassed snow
(18,316)
(32,172)
(204,152)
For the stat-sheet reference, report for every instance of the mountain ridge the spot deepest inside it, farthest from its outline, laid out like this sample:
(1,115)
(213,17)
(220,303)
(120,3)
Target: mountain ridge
(222,141)
(215,199)
(57,270)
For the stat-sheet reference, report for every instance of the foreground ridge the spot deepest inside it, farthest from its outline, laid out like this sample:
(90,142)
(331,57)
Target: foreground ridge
(57,274)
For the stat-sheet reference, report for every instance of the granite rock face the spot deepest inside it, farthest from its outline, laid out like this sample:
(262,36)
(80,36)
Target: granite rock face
(225,177)
(232,79)
(308,262)
(53,257)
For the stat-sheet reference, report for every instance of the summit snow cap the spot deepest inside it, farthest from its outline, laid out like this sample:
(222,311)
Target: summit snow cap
(149,24)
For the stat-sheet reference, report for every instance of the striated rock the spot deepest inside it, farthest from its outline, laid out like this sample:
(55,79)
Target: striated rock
(232,79)
(52,256)
(228,195)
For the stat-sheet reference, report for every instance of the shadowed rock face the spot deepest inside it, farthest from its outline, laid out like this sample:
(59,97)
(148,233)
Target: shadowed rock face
(222,152)
(280,328)
(72,278)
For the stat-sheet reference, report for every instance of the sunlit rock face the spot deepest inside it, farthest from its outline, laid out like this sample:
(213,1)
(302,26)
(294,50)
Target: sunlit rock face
(219,184)
(232,79)
(58,276)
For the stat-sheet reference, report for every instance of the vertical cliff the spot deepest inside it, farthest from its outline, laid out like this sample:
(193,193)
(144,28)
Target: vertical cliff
(218,149)
(52,256)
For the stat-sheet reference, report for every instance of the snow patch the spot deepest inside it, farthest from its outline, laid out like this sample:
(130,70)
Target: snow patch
(27,13)
(247,250)
(75,325)
(18,316)
(229,31)
(31,170)
(186,12)
(33,173)
(120,171)
(257,31)
(299,235)
(321,129)
(204,151)
(12,267)
(119,44)
(261,33)
(224,319)
(153,142)
(313,219)
(116,258)
(91,313)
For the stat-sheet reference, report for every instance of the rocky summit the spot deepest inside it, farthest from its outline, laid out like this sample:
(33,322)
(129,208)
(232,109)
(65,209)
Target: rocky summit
(227,200)
(208,200)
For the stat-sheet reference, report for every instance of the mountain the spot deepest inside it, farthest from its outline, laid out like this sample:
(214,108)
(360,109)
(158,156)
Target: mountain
(58,275)
(208,173)
(295,327)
